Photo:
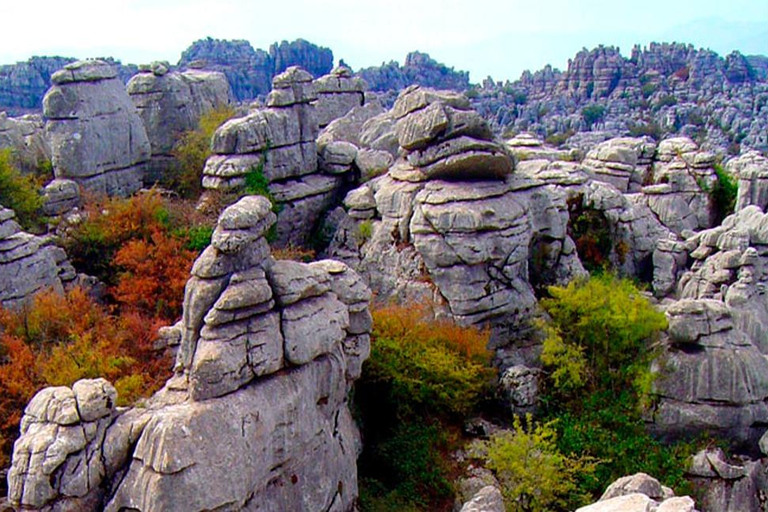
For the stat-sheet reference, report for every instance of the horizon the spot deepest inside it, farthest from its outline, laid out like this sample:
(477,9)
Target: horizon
(515,39)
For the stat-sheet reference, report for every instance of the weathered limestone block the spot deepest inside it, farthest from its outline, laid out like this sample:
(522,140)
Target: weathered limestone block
(97,137)
(256,416)
(28,263)
(337,93)
(171,103)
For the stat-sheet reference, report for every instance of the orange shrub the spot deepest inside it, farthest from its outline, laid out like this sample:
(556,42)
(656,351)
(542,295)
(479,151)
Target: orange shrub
(59,339)
(153,275)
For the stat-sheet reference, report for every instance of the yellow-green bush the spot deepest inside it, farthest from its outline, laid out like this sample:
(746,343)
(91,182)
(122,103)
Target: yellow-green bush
(600,335)
(423,377)
(193,149)
(534,475)
(19,192)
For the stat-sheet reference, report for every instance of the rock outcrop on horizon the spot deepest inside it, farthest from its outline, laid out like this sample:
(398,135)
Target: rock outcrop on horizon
(97,137)
(171,103)
(658,90)
(250,72)
(418,69)
(256,417)
(23,85)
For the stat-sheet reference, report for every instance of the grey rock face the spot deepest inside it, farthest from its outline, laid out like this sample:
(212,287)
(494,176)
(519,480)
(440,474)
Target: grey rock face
(660,90)
(337,93)
(60,196)
(714,374)
(25,137)
(728,485)
(28,263)
(419,68)
(250,71)
(281,141)
(425,230)
(487,499)
(170,103)
(751,169)
(519,386)
(256,417)
(97,137)
(640,493)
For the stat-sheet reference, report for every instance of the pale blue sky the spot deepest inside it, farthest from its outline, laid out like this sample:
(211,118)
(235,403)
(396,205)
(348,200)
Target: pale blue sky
(498,38)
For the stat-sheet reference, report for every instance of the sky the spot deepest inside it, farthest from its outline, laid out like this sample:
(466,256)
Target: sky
(499,38)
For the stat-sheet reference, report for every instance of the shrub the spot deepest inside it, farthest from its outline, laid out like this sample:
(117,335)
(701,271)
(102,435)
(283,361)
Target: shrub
(59,339)
(153,274)
(18,192)
(593,114)
(422,377)
(364,232)
(610,428)
(130,243)
(648,89)
(597,351)
(591,233)
(430,366)
(600,334)
(723,194)
(533,473)
(193,149)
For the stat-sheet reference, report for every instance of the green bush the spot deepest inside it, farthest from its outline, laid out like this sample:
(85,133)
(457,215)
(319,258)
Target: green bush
(193,149)
(724,194)
(600,335)
(592,114)
(19,192)
(597,352)
(534,474)
(422,378)
(610,429)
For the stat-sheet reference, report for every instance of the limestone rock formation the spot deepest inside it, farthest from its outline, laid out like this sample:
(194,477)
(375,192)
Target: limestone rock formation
(25,137)
(751,169)
(337,93)
(280,142)
(487,499)
(97,137)
(659,90)
(22,85)
(256,417)
(250,72)
(640,493)
(170,103)
(449,222)
(728,485)
(28,263)
(418,69)
(715,374)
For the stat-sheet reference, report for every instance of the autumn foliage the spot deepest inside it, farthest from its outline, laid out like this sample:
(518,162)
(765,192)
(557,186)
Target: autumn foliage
(141,247)
(59,339)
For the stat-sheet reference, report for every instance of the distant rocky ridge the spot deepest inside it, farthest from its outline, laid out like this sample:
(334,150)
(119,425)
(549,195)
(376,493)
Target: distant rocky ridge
(250,71)
(419,69)
(659,90)
(22,85)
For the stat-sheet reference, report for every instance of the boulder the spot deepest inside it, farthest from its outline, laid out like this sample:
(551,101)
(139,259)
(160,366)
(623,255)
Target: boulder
(97,137)
(337,93)
(171,103)
(28,263)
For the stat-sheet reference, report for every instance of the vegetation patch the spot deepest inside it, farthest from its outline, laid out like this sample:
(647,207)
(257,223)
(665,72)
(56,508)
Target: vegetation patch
(422,378)
(19,192)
